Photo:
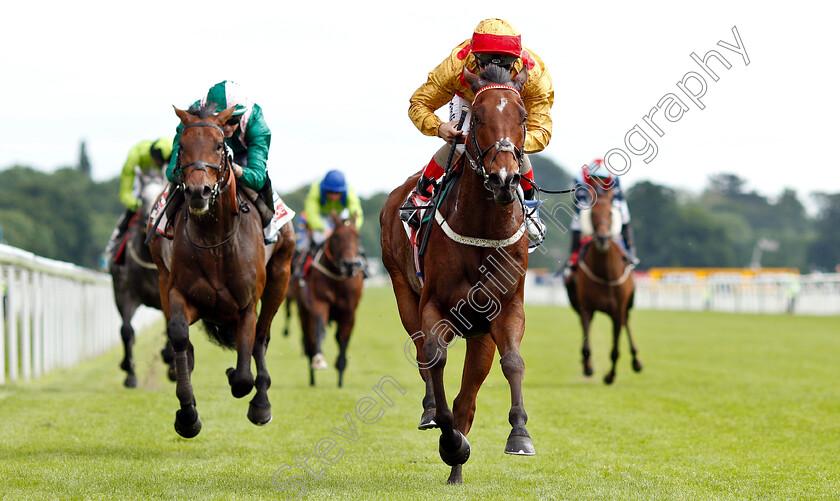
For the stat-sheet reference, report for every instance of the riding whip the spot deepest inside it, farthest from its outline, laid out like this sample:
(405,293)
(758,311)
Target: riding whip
(424,242)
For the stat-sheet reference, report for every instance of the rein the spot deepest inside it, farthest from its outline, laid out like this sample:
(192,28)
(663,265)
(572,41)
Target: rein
(316,263)
(610,283)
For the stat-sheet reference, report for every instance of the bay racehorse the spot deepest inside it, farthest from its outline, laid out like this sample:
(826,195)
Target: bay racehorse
(330,292)
(217,267)
(135,277)
(603,280)
(473,270)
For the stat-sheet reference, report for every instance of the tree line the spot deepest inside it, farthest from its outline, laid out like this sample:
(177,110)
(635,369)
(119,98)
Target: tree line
(66,215)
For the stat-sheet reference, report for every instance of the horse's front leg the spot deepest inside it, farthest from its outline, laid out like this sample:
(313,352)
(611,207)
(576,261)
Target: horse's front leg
(507,330)
(259,410)
(438,334)
(636,363)
(181,315)
(127,308)
(618,322)
(342,336)
(241,379)
(586,352)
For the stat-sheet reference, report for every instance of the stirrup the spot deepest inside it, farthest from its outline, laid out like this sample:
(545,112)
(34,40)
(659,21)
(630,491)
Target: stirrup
(534,226)
(411,215)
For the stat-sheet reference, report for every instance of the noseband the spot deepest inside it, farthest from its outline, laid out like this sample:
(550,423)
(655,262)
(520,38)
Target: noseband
(203,166)
(501,145)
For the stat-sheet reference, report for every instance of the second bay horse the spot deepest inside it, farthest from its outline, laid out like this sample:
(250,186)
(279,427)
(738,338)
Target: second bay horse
(217,268)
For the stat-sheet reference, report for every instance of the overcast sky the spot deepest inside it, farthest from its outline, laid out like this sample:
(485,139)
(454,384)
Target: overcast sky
(334,79)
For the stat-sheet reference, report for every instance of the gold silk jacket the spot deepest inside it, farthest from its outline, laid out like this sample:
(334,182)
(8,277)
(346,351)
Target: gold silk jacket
(447,80)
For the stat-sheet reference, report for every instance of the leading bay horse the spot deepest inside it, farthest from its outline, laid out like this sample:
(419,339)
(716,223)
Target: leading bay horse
(603,280)
(330,293)
(135,278)
(474,270)
(217,267)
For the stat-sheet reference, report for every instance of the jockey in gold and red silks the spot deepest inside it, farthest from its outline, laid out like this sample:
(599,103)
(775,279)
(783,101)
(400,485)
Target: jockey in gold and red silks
(494,41)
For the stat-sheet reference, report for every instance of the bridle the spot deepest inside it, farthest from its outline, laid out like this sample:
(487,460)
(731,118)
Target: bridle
(502,145)
(224,163)
(628,268)
(331,259)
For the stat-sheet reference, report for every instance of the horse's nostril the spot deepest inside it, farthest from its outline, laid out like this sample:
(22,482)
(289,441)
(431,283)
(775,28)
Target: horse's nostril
(494,179)
(205,193)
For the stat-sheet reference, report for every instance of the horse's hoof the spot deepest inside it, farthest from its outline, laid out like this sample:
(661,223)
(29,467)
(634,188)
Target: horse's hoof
(130,381)
(187,431)
(637,366)
(609,378)
(260,416)
(240,387)
(455,476)
(427,420)
(459,455)
(286,332)
(587,370)
(319,363)
(520,445)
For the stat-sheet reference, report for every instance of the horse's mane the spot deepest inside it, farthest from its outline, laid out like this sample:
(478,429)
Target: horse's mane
(495,74)
(203,110)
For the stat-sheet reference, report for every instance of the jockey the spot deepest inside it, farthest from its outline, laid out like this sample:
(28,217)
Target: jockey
(494,41)
(147,155)
(331,194)
(596,169)
(248,137)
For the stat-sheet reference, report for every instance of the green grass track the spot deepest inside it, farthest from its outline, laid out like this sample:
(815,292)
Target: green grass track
(727,407)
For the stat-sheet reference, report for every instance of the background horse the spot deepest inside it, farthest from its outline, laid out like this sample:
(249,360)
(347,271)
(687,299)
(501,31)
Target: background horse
(135,279)
(217,268)
(603,280)
(330,293)
(473,284)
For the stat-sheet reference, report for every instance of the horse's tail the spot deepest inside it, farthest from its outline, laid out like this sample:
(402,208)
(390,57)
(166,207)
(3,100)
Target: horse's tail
(223,335)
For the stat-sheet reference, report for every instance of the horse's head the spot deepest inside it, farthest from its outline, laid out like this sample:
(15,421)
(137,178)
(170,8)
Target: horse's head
(342,247)
(497,129)
(602,213)
(203,165)
(151,184)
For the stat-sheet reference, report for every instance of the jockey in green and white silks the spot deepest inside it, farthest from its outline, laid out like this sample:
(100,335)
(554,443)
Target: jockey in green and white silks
(250,139)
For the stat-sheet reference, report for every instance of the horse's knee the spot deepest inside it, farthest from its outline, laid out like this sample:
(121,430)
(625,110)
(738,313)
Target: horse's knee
(614,354)
(127,333)
(512,364)
(179,334)
(433,353)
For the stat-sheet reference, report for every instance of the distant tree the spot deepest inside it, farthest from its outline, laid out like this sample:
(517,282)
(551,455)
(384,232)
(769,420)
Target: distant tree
(824,251)
(84,162)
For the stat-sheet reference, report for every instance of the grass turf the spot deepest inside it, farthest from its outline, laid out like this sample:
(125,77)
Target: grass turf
(727,407)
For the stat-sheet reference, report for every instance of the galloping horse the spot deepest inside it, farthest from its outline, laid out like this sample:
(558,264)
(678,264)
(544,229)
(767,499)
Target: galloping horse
(135,280)
(216,268)
(331,293)
(603,280)
(480,232)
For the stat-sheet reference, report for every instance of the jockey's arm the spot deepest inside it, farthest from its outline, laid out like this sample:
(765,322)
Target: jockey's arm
(438,90)
(354,206)
(312,207)
(538,97)
(258,140)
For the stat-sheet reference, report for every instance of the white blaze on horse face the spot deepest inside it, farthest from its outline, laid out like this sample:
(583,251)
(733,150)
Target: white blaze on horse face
(502,104)
(502,174)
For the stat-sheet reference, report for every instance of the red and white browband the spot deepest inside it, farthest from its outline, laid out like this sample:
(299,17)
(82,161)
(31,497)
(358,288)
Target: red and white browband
(494,86)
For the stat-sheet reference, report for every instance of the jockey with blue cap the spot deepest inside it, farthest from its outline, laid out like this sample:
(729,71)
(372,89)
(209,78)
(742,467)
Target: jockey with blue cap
(331,194)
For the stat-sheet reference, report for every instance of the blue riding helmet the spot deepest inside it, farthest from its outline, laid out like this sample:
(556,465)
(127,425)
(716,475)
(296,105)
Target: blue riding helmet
(335,182)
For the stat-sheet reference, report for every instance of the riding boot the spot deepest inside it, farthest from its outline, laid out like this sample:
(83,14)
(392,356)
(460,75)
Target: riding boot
(119,232)
(266,209)
(571,263)
(629,243)
(533,224)
(419,197)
